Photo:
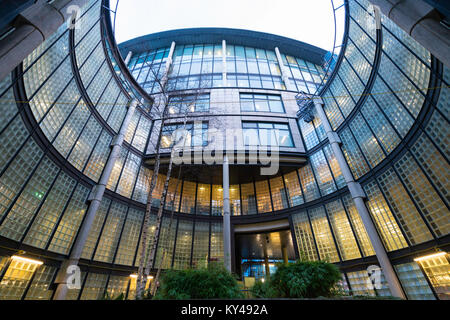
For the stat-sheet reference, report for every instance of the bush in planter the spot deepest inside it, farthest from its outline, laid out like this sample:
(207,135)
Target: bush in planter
(302,279)
(214,282)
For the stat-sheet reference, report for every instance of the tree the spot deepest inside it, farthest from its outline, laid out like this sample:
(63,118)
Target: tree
(161,108)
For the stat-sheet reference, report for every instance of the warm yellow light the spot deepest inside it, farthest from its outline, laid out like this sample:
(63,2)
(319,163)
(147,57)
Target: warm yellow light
(134,276)
(431,256)
(27,260)
(220,189)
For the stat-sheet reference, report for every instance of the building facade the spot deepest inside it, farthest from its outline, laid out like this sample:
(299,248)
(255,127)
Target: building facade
(69,104)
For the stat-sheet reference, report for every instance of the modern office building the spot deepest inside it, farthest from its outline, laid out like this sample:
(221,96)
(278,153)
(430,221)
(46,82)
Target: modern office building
(363,177)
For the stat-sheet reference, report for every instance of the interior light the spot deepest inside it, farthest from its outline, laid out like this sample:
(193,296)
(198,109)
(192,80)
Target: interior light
(134,276)
(431,256)
(27,260)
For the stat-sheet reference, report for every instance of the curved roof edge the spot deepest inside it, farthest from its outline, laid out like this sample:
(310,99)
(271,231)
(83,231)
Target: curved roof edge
(216,35)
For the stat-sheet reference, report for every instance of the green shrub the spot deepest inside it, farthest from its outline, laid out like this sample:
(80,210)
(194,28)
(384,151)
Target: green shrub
(262,290)
(214,282)
(302,279)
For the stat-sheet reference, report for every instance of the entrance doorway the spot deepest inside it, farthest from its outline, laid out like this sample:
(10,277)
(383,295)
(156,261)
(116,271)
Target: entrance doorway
(258,253)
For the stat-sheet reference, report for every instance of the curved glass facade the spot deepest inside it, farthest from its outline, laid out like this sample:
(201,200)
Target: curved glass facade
(63,106)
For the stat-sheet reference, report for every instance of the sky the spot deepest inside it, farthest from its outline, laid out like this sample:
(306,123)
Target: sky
(310,21)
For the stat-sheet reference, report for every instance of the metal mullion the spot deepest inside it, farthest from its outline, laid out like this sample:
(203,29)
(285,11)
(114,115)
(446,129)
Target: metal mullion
(256,196)
(285,191)
(270,194)
(293,237)
(240,199)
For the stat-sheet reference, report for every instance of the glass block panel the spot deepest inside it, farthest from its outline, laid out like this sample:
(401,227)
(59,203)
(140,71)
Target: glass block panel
(248,198)
(26,205)
(107,244)
(48,215)
(434,164)
(322,232)
(96,229)
(304,236)
(182,258)
(16,279)
(437,269)
(17,174)
(414,282)
(94,286)
(293,189)
(384,220)
(410,220)
(342,229)
(165,244)
(322,173)
(308,182)
(358,226)
(117,286)
(201,245)
(40,286)
(360,283)
(130,236)
(278,192)
(216,252)
(188,197)
(431,206)
(70,222)
(263,196)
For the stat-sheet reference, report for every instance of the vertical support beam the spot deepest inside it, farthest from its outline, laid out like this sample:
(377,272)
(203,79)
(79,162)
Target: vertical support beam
(284,253)
(168,64)
(358,197)
(266,265)
(128,58)
(226,215)
(284,72)
(224,63)
(95,199)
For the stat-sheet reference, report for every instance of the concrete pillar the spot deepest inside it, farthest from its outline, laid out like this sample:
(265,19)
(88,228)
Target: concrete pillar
(422,22)
(95,199)
(226,215)
(284,72)
(34,25)
(284,253)
(224,63)
(358,197)
(128,58)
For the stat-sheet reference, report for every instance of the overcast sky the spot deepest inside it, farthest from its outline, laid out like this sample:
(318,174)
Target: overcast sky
(310,21)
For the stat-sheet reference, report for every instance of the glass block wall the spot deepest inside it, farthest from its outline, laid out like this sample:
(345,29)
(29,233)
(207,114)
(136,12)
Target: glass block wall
(62,107)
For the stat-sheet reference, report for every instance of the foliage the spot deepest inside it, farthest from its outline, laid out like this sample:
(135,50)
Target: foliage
(302,279)
(213,282)
(262,290)
(107,296)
